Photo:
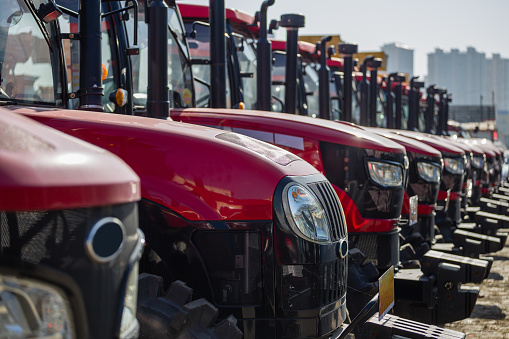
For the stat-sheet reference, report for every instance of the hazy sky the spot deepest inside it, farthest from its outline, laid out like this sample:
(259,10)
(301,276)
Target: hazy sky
(422,25)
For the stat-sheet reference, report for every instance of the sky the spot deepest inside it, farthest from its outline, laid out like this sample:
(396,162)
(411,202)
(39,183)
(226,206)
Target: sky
(422,25)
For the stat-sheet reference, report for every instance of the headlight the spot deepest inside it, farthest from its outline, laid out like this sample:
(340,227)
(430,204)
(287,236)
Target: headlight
(385,174)
(33,309)
(478,162)
(429,172)
(455,166)
(308,218)
(129,323)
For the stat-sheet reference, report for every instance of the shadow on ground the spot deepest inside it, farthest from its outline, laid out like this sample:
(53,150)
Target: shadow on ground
(487,312)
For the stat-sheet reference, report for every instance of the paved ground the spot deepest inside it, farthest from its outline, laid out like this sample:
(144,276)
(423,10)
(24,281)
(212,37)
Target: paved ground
(490,318)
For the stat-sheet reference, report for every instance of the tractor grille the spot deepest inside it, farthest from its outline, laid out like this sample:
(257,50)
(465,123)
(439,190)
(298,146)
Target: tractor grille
(42,237)
(313,286)
(330,202)
(381,248)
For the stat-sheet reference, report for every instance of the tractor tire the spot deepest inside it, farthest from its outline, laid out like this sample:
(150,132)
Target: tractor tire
(174,315)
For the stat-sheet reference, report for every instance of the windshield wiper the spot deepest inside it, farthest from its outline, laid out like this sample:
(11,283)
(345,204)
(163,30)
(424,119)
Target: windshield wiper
(44,31)
(7,103)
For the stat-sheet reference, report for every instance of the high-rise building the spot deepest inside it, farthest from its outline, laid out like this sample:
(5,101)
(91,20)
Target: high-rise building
(400,58)
(472,78)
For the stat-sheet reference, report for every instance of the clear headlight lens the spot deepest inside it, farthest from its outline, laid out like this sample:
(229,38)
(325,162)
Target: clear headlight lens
(429,172)
(129,322)
(308,218)
(33,309)
(478,162)
(385,174)
(455,166)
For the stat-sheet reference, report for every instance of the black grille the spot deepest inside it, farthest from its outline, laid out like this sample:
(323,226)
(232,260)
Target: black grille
(233,261)
(38,237)
(330,202)
(381,248)
(313,286)
(334,282)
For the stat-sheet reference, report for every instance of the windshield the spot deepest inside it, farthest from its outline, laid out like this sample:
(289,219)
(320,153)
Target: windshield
(278,82)
(405,112)
(311,87)
(356,108)
(335,97)
(30,72)
(199,47)
(278,85)
(380,116)
(246,54)
(421,121)
(179,70)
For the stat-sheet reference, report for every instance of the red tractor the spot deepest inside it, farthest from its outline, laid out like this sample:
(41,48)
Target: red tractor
(330,149)
(250,227)
(70,242)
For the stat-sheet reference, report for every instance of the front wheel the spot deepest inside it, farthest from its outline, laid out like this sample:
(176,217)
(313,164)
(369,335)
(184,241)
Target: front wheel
(172,314)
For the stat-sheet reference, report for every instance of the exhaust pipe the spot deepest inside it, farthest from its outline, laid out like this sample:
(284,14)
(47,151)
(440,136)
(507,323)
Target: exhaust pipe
(323,80)
(264,62)
(158,103)
(373,89)
(348,50)
(91,91)
(292,22)
(217,54)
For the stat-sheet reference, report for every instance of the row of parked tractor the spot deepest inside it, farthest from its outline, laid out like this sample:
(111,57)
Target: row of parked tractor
(169,171)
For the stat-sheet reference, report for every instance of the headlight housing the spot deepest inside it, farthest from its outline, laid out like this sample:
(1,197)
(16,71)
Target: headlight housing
(307,217)
(455,166)
(33,309)
(478,162)
(385,174)
(429,172)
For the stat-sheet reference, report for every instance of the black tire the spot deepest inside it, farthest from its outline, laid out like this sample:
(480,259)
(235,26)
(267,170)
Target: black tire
(174,315)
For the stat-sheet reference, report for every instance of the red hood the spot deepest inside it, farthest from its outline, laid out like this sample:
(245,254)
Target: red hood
(487,145)
(201,12)
(428,139)
(44,169)
(195,171)
(335,63)
(410,144)
(292,125)
(303,46)
(463,146)
(486,150)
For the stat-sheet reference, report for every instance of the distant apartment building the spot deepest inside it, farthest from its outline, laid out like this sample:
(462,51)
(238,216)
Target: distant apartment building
(476,81)
(400,58)
(472,78)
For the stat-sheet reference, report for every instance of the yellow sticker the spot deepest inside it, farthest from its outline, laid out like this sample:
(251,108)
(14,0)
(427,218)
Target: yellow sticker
(385,293)
(187,96)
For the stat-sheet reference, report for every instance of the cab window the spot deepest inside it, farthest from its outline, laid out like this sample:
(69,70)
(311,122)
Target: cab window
(29,56)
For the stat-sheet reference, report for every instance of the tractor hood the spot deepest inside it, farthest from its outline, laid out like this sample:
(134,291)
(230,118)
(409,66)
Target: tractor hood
(410,144)
(44,169)
(198,172)
(287,129)
(446,148)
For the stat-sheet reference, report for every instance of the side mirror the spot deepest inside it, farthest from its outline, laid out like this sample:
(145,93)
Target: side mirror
(11,14)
